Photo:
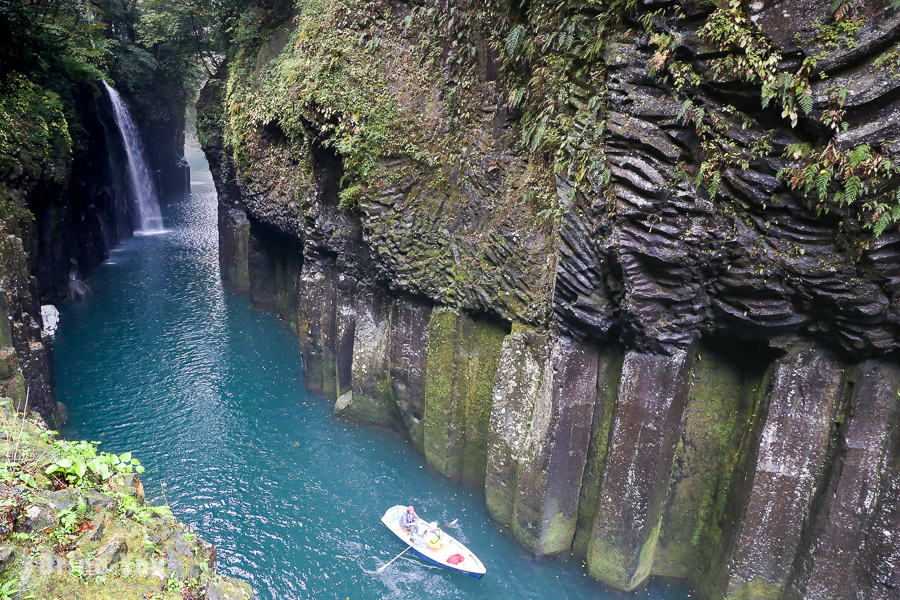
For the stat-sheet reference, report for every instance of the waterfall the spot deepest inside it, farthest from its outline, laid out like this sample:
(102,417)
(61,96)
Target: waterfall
(149,218)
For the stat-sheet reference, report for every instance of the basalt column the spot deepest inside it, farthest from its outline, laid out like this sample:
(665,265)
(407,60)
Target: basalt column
(370,398)
(518,384)
(316,325)
(878,565)
(830,569)
(609,370)
(409,351)
(234,248)
(795,446)
(462,363)
(275,265)
(544,404)
(652,395)
(719,437)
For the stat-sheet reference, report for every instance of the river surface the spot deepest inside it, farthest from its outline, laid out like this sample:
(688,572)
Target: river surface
(208,394)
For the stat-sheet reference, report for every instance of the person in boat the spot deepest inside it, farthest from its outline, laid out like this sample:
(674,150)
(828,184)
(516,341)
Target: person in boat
(410,522)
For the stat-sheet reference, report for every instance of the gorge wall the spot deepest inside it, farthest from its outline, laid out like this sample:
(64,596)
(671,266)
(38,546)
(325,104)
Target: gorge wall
(555,246)
(64,204)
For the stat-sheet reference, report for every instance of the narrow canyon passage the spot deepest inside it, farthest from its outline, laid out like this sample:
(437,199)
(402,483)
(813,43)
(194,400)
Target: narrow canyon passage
(208,393)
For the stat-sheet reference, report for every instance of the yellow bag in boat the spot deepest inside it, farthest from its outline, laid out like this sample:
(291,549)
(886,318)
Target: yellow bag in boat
(435,542)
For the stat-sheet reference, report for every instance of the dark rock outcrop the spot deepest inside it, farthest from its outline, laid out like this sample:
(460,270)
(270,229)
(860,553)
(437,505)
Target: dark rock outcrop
(657,378)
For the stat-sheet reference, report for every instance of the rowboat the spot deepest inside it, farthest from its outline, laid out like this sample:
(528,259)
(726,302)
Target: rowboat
(448,552)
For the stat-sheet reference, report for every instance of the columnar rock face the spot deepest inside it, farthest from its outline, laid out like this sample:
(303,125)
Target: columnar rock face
(835,565)
(553,460)
(719,434)
(796,444)
(877,567)
(652,395)
(463,355)
(661,377)
(371,399)
(409,351)
(518,385)
(540,432)
(316,326)
(609,369)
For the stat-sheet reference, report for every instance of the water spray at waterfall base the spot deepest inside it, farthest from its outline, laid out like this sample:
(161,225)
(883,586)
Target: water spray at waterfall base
(148,218)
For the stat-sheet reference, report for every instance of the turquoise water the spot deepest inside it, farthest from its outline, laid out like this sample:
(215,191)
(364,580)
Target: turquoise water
(208,393)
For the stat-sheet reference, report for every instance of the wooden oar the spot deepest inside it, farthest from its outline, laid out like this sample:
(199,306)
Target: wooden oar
(408,548)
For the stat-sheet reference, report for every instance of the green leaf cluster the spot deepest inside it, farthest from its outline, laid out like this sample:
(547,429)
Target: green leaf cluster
(80,464)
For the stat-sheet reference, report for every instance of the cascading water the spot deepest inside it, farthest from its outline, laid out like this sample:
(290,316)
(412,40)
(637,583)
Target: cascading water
(149,218)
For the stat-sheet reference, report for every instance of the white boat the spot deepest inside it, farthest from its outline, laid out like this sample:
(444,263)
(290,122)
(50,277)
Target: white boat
(448,552)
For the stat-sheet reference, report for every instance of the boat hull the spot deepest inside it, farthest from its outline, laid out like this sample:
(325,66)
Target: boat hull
(465,560)
(448,567)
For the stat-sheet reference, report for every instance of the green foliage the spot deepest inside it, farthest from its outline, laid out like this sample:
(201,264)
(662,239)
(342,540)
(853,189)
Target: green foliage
(750,57)
(80,464)
(553,53)
(130,507)
(36,131)
(833,175)
(323,93)
(64,37)
(10,589)
(52,50)
(855,176)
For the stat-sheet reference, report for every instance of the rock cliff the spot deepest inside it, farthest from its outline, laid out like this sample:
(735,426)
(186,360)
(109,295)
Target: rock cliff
(631,267)
(75,525)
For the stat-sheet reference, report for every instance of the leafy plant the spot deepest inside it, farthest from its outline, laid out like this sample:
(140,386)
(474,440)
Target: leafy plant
(81,465)
(129,507)
(830,174)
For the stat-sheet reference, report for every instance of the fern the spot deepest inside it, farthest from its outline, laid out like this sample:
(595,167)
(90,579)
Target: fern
(852,188)
(515,41)
(797,151)
(809,174)
(805,100)
(537,136)
(768,92)
(516,97)
(822,182)
(881,224)
(714,180)
(685,106)
(860,154)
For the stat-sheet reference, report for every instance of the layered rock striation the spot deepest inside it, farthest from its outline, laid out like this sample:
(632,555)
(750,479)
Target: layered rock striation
(659,377)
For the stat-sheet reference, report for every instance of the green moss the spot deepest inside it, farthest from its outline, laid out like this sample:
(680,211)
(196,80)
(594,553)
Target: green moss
(488,340)
(607,563)
(98,541)
(755,590)
(440,411)
(375,405)
(463,355)
(35,131)
(701,470)
(235,253)
(329,377)
(646,558)
(608,374)
(556,536)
